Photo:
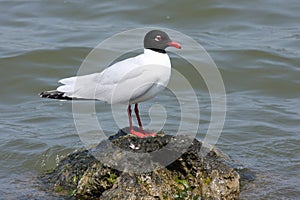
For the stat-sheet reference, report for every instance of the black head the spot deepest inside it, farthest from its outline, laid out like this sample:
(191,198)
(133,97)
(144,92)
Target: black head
(158,41)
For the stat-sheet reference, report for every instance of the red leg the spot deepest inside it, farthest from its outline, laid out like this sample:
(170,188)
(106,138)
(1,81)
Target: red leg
(137,114)
(140,133)
(129,117)
(132,131)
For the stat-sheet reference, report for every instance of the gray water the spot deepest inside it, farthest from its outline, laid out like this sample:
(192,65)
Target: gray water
(255,44)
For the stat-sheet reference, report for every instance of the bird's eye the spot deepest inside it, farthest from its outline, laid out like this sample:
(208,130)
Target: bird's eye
(158,38)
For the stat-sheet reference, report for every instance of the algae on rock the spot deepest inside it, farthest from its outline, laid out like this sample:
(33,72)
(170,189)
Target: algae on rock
(162,167)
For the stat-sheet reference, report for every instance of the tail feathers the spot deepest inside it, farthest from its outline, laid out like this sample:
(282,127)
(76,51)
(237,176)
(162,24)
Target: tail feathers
(54,94)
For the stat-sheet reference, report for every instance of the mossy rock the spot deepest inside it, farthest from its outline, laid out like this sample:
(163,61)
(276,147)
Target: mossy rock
(162,167)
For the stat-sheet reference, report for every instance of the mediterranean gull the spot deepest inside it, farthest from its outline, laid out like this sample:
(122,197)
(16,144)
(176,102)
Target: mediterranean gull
(129,81)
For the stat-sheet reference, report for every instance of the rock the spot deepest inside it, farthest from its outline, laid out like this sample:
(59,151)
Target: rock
(162,167)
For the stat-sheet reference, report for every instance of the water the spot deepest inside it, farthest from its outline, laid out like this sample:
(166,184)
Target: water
(255,45)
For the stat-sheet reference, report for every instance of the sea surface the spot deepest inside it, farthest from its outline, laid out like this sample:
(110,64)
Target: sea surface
(254,44)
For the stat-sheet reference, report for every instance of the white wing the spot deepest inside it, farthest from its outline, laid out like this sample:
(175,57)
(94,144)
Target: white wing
(129,81)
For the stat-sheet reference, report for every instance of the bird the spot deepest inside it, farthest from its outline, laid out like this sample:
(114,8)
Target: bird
(129,81)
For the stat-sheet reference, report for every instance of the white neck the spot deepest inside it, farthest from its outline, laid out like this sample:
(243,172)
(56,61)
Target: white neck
(153,57)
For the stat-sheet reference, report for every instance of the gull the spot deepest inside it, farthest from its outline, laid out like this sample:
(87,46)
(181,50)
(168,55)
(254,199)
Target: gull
(129,81)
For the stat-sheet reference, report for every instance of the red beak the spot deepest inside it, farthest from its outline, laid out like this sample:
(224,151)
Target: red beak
(174,44)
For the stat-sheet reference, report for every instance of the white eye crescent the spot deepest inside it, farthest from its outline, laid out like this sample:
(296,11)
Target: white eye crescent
(158,38)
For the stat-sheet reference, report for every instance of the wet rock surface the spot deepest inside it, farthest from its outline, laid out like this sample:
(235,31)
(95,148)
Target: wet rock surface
(162,167)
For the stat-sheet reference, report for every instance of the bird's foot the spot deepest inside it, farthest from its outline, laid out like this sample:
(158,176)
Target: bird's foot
(142,133)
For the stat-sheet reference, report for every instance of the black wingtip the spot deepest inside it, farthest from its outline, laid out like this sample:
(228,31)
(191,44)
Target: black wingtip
(54,95)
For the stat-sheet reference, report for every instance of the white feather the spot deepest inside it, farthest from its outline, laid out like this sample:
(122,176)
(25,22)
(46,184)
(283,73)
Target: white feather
(129,81)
